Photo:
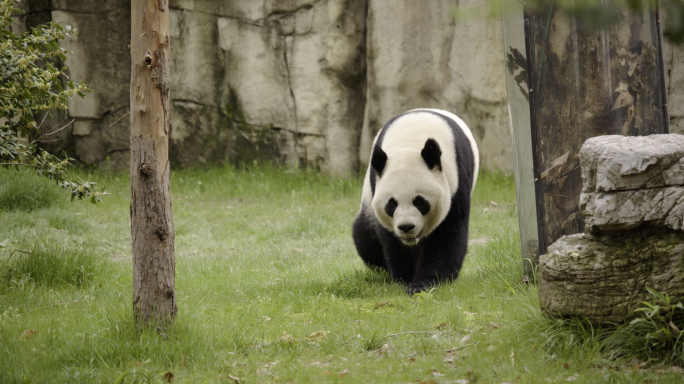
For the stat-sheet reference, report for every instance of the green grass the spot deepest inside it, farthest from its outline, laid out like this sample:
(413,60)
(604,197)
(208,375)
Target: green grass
(270,289)
(23,191)
(50,264)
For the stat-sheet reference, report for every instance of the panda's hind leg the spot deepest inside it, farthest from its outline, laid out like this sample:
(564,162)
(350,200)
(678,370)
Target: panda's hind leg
(367,243)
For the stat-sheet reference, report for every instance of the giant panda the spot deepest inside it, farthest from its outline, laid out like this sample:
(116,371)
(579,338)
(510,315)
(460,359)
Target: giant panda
(415,203)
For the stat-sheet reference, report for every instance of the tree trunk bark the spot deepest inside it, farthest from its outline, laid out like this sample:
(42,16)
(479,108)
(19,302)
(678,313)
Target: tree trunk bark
(587,82)
(154,300)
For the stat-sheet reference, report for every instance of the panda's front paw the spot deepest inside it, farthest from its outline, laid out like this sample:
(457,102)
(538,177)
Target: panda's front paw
(418,287)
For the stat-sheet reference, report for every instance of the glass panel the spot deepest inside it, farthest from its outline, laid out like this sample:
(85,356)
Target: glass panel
(521,137)
(587,82)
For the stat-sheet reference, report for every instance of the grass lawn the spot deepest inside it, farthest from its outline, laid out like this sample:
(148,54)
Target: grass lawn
(270,289)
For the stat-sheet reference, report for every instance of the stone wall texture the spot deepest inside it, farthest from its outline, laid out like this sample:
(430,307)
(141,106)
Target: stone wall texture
(305,83)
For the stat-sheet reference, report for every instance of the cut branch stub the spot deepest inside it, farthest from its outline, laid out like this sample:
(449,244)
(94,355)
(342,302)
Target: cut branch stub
(145,169)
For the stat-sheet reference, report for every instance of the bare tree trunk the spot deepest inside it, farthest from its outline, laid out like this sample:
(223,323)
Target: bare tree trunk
(152,232)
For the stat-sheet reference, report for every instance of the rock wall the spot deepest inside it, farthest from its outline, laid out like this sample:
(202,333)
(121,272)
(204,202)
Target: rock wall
(420,55)
(101,58)
(306,83)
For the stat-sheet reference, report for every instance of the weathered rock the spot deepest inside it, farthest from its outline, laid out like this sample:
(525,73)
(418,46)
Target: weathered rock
(604,277)
(618,163)
(631,181)
(610,211)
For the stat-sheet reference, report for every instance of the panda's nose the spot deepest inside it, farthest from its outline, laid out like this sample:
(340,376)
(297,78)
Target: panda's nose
(406,227)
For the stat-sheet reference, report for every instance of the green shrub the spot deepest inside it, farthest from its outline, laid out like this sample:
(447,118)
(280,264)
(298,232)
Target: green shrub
(656,335)
(34,83)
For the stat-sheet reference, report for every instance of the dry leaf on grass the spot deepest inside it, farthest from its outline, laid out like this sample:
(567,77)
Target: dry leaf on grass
(286,338)
(27,334)
(316,336)
(168,376)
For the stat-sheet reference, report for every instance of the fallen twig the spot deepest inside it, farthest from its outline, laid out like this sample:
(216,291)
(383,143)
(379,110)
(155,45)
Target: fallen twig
(410,333)
(457,348)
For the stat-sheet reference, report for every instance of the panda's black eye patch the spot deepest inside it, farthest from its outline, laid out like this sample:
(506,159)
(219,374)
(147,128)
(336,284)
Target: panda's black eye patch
(391,207)
(422,205)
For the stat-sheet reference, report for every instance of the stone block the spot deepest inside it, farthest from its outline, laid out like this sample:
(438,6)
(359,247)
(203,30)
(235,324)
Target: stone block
(604,277)
(83,127)
(620,163)
(621,210)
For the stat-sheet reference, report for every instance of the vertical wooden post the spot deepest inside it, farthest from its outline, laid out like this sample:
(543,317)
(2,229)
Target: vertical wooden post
(154,298)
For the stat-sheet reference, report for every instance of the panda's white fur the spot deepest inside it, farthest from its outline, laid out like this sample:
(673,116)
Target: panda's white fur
(403,144)
(405,176)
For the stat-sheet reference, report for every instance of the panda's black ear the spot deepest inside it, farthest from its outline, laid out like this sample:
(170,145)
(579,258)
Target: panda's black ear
(378,160)
(431,154)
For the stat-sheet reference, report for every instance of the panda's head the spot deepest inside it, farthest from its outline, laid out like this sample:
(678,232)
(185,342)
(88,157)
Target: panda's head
(412,196)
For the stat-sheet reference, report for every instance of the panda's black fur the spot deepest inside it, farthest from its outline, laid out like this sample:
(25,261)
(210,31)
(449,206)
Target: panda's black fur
(439,256)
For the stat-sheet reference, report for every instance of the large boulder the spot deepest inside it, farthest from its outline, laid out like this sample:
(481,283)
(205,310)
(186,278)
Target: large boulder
(619,163)
(631,181)
(603,277)
(633,200)
(611,211)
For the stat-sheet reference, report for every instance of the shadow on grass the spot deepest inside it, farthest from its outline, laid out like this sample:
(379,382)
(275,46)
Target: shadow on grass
(355,284)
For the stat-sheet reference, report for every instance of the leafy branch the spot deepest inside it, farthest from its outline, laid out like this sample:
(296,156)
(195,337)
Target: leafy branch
(32,81)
